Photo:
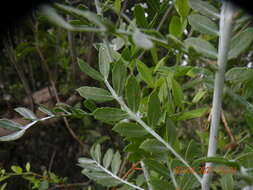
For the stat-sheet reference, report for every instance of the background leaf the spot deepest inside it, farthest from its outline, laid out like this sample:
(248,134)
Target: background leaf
(96,94)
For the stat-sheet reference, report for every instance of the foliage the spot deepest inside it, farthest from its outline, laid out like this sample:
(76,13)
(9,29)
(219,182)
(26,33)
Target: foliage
(155,80)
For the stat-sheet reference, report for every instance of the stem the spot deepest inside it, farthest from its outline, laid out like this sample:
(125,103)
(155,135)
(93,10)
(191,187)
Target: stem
(118,178)
(146,127)
(226,22)
(146,175)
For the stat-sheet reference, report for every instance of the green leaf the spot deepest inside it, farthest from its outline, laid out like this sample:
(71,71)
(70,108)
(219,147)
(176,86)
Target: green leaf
(92,17)
(160,184)
(239,74)
(145,72)
(17,169)
(193,114)
(108,158)
(240,43)
(133,93)
(156,166)
(28,167)
(204,8)
(96,94)
(203,47)
(116,162)
(139,14)
(153,146)
(89,70)
(200,94)
(26,113)
(109,114)
(141,40)
(219,160)
(104,60)
(117,5)
(119,74)
(45,110)
(96,152)
(227,182)
(176,26)
(84,160)
(129,129)
(203,24)
(44,185)
(90,105)
(13,136)
(182,7)
(177,93)
(10,125)
(154,109)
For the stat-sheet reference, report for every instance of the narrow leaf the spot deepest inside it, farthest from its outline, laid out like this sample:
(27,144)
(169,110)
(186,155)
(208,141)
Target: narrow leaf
(108,158)
(193,114)
(204,8)
(203,47)
(240,43)
(153,146)
(139,14)
(96,94)
(89,70)
(145,72)
(26,113)
(203,24)
(133,93)
(104,59)
(116,162)
(10,125)
(109,114)
(141,40)
(154,109)
(129,129)
(119,74)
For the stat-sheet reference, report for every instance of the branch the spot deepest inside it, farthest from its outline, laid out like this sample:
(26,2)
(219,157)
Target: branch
(226,22)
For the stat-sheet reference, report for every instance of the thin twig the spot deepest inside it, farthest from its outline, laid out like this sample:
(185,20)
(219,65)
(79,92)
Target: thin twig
(69,185)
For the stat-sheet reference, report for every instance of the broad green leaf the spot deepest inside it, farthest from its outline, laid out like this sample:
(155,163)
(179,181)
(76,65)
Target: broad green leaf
(203,24)
(10,125)
(26,113)
(119,74)
(182,7)
(116,162)
(133,93)
(200,94)
(171,133)
(204,8)
(89,70)
(96,94)
(203,47)
(240,43)
(153,146)
(177,93)
(117,5)
(176,26)
(109,114)
(104,60)
(139,14)
(129,129)
(239,74)
(156,166)
(145,72)
(227,182)
(141,40)
(96,152)
(193,114)
(154,109)
(108,158)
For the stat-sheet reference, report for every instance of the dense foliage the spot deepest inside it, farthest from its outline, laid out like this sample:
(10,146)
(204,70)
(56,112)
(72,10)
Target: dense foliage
(152,70)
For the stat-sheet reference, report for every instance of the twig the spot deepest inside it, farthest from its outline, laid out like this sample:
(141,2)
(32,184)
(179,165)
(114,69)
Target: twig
(130,170)
(69,185)
(51,161)
(146,175)
(165,16)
